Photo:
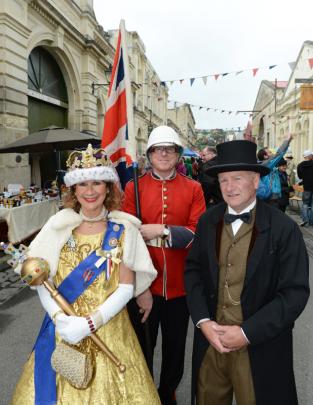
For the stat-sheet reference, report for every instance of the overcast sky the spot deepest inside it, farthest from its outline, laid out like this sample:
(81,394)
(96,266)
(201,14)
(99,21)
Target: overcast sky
(186,39)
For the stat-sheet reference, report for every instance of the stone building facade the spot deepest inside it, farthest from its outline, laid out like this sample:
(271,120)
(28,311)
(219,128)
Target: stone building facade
(182,116)
(55,70)
(279,112)
(52,53)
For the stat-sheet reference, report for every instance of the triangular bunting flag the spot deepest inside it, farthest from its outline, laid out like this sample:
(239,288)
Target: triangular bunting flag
(171,82)
(238,73)
(216,76)
(222,111)
(163,84)
(229,112)
(254,71)
(225,74)
(181,81)
(204,78)
(272,66)
(200,107)
(292,65)
(310,62)
(207,109)
(191,81)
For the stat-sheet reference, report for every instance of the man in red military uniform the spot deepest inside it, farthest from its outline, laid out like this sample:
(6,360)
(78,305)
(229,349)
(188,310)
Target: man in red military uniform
(171,205)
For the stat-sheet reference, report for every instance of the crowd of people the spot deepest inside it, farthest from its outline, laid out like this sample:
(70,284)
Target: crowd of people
(205,246)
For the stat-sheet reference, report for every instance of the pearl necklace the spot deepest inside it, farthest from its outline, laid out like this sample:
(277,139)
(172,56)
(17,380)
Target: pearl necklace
(101,217)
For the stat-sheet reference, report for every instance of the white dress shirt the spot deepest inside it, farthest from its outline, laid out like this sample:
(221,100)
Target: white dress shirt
(237,224)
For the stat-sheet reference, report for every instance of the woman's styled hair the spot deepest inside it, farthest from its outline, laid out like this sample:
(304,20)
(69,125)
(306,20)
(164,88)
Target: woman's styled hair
(112,200)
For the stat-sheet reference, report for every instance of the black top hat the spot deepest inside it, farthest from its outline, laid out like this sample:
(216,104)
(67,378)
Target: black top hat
(237,155)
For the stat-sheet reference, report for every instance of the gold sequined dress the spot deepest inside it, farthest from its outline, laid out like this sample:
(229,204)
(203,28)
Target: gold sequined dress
(109,386)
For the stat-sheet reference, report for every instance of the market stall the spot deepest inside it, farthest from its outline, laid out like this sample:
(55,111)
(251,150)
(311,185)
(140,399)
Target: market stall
(25,220)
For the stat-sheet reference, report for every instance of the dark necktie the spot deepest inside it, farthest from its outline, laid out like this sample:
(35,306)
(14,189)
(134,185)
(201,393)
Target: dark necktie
(245,217)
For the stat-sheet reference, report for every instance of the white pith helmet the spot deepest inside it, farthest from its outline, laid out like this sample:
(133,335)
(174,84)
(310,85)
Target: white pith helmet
(164,135)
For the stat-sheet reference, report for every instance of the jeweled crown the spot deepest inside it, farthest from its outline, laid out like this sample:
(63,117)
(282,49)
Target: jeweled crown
(83,159)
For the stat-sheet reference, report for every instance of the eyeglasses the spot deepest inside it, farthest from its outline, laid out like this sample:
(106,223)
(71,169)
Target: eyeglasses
(170,150)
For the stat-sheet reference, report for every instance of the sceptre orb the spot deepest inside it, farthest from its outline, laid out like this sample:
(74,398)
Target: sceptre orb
(35,271)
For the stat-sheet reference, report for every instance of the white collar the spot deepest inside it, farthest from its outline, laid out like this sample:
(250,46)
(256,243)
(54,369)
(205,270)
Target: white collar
(247,209)
(169,177)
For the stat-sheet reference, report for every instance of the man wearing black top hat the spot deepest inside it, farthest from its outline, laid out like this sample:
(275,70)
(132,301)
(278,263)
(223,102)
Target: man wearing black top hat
(247,282)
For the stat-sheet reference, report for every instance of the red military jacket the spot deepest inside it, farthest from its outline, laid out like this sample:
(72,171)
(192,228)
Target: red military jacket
(178,203)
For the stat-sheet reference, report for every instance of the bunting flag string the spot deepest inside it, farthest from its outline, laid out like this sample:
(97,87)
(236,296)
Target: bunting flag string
(217,76)
(213,109)
(235,112)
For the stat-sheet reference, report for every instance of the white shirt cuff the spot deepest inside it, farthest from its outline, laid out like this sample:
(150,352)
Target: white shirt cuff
(201,321)
(245,336)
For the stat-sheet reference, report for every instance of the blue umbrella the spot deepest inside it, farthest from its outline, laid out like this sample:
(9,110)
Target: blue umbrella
(190,153)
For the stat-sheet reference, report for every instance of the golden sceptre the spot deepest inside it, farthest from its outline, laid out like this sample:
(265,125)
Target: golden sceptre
(35,271)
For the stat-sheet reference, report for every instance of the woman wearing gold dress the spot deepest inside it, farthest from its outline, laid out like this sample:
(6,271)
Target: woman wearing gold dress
(76,242)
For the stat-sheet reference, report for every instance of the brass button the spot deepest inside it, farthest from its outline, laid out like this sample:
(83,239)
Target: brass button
(165,197)
(228,265)
(164,189)
(165,206)
(164,215)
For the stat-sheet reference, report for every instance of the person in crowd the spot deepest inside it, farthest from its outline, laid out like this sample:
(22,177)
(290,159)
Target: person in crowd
(142,165)
(209,184)
(181,167)
(305,173)
(270,160)
(74,243)
(291,169)
(171,205)
(188,165)
(283,200)
(247,281)
(194,167)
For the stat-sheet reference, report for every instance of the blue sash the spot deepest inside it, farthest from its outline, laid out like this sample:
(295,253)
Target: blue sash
(71,288)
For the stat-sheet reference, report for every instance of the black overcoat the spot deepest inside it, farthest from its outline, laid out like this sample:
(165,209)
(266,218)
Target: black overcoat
(275,292)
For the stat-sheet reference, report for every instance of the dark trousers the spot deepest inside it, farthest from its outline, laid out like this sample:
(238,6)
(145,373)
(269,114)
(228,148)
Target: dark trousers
(173,317)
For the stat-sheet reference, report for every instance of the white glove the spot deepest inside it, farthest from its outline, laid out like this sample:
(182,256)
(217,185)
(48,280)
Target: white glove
(113,305)
(47,301)
(72,329)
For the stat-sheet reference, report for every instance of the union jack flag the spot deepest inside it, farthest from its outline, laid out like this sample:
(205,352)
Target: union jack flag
(117,139)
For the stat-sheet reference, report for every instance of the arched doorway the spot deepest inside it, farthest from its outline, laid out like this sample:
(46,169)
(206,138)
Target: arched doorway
(47,103)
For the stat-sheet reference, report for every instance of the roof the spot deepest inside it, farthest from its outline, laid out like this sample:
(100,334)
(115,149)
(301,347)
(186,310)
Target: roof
(280,84)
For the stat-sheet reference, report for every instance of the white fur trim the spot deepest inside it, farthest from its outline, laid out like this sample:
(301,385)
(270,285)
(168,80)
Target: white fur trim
(135,252)
(56,232)
(124,216)
(104,173)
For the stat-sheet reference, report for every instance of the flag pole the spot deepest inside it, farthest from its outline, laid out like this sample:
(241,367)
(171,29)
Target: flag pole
(130,118)
(132,151)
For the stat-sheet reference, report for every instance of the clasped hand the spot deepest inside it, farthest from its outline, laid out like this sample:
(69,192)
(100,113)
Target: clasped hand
(224,338)
(151,231)
(72,329)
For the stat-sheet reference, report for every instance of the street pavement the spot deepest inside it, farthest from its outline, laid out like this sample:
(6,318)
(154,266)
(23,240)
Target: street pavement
(21,316)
